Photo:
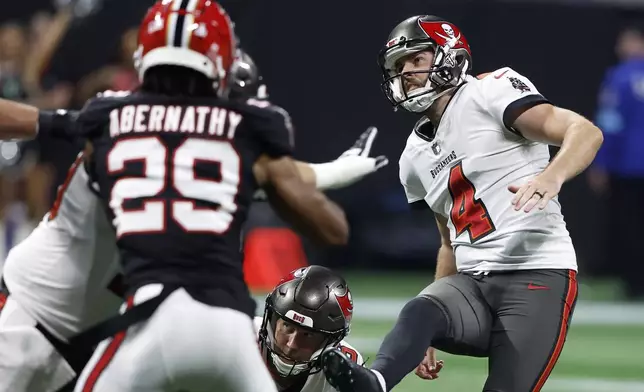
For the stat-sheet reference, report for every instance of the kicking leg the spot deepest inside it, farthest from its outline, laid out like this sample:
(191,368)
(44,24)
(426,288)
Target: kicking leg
(449,314)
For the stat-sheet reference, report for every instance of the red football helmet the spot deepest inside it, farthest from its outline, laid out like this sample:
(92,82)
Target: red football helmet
(196,34)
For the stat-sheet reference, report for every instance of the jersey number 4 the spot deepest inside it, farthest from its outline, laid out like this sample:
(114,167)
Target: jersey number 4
(218,189)
(468,213)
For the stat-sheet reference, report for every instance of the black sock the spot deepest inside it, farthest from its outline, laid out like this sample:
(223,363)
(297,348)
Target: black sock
(420,322)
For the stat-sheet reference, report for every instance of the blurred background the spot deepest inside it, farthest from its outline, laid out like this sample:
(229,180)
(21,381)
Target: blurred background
(319,62)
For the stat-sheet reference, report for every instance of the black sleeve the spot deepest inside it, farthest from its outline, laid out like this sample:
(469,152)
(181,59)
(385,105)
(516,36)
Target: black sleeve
(74,125)
(419,205)
(58,123)
(274,131)
(516,108)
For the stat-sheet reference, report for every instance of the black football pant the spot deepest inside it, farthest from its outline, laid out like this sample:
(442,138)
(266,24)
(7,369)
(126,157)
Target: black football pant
(518,319)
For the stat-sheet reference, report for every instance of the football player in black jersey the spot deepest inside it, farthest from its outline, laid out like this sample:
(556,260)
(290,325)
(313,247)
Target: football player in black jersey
(177,166)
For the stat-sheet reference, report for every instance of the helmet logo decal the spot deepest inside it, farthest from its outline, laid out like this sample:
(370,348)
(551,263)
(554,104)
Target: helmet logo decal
(450,39)
(199,30)
(299,318)
(445,34)
(448,30)
(346,304)
(157,24)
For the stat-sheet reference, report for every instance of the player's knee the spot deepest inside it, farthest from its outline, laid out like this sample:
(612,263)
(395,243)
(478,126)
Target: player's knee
(422,308)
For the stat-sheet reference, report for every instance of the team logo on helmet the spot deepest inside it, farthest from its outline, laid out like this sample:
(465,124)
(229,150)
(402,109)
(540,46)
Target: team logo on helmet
(444,33)
(155,25)
(346,304)
(448,30)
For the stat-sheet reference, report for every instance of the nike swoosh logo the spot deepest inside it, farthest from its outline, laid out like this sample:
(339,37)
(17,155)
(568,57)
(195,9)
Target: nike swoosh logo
(537,287)
(500,76)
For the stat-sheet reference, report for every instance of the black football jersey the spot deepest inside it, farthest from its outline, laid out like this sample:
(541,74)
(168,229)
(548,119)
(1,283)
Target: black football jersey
(176,175)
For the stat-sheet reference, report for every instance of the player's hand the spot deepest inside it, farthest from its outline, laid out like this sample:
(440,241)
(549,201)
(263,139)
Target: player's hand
(362,148)
(536,192)
(429,368)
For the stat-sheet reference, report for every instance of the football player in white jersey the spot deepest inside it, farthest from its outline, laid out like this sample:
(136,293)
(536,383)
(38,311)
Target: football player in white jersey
(505,283)
(57,277)
(308,311)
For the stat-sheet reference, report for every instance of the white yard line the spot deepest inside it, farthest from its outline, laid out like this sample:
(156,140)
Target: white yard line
(556,384)
(593,313)
(586,313)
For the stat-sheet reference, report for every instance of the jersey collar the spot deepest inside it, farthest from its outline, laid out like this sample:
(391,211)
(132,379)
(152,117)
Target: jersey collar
(424,129)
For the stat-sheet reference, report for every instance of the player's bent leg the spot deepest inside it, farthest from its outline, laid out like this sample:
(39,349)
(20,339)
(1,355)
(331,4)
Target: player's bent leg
(463,299)
(218,349)
(450,314)
(421,321)
(186,345)
(534,314)
(131,360)
(247,370)
(28,361)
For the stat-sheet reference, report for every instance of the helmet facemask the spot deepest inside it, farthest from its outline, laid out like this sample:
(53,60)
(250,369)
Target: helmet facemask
(448,70)
(245,81)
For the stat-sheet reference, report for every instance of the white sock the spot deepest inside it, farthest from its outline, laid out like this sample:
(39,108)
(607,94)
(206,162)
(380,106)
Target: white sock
(381,380)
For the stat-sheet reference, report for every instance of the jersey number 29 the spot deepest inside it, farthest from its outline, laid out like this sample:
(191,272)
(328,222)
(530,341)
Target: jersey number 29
(176,171)
(468,213)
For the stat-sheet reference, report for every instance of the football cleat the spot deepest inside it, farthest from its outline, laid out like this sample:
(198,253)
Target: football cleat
(347,376)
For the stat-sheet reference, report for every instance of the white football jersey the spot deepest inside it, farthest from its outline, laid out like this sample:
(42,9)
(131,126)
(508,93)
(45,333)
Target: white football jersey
(317,382)
(464,169)
(64,265)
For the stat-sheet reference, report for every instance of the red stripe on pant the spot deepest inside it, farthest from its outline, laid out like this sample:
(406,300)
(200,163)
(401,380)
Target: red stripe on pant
(53,212)
(3,300)
(571,297)
(107,356)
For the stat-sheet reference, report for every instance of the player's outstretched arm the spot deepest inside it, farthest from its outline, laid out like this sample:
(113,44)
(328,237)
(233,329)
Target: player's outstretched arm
(352,166)
(349,168)
(21,121)
(579,140)
(17,120)
(445,261)
(300,204)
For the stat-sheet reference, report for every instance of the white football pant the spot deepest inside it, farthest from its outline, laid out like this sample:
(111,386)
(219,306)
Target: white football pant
(28,362)
(185,346)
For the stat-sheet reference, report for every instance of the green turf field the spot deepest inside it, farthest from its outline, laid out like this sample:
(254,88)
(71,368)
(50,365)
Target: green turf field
(595,358)
(604,351)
